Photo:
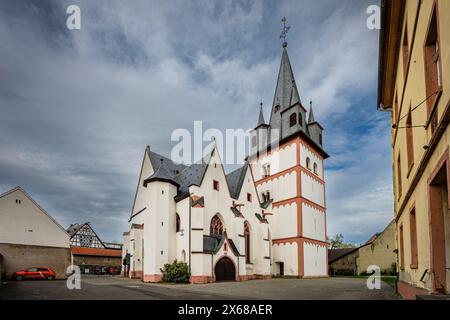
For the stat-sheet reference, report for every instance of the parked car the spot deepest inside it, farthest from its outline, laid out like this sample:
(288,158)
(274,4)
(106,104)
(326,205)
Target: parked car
(100,270)
(114,270)
(35,273)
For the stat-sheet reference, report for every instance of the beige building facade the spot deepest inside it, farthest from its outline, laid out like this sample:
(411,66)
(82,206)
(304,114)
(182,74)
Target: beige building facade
(380,252)
(29,236)
(414,84)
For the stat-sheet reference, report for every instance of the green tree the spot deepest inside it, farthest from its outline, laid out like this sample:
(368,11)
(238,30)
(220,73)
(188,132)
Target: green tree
(337,242)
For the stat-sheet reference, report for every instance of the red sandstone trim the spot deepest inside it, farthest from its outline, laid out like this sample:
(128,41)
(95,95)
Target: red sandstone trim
(299,240)
(201,279)
(408,291)
(152,278)
(299,200)
(136,274)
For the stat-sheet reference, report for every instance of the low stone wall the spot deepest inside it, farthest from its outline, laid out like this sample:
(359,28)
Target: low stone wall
(19,257)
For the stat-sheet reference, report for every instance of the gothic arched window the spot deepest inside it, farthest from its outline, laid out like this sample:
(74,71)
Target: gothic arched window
(216,226)
(308,163)
(247,241)
(178,223)
(293,120)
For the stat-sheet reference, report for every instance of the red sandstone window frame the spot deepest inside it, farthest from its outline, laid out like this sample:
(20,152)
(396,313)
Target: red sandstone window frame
(432,52)
(399,177)
(413,238)
(409,140)
(401,248)
(405,49)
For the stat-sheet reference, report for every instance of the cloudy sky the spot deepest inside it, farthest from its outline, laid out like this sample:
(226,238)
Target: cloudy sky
(78,107)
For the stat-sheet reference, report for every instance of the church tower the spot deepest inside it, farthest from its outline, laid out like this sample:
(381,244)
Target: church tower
(286,160)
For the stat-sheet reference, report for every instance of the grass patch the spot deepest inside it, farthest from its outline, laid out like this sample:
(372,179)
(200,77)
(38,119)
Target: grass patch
(390,280)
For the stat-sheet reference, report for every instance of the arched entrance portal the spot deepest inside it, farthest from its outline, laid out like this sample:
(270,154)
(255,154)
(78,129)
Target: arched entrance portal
(225,270)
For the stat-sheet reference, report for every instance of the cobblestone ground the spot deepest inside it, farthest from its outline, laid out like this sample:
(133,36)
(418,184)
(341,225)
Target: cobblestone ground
(106,287)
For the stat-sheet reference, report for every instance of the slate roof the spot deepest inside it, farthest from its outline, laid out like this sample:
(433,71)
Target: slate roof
(181,175)
(261,121)
(74,228)
(335,254)
(287,96)
(235,179)
(212,243)
(236,212)
(172,167)
(162,174)
(261,218)
(286,93)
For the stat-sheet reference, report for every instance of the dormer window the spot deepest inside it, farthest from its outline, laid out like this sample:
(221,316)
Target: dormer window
(277,108)
(300,119)
(216,185)
(320,139)
(249,197)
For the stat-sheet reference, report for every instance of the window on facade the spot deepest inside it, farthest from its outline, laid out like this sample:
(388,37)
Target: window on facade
(216,185)
(178,223)
(315,168)
(320,139)
(293,120)
(308,163)
(396,108)
(399,177)
(183,256)
(247,241)
(413,232)
(433,74)
(409,140)
(249,197)
(216,226)
(266,170)
(277,108)
(300,119)
(402,253)
(266,196)
(405,49)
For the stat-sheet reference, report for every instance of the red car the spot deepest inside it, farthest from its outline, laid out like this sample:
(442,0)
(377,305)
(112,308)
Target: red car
(35,273)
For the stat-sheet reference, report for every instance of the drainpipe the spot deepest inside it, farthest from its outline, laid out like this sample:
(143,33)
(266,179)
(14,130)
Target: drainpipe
(190,231)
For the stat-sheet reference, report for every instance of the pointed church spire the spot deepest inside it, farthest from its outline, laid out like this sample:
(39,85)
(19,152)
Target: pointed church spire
(286,92)
(311,114)
(261,121)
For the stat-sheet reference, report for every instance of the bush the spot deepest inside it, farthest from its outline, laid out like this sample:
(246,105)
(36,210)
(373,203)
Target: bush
(177,272)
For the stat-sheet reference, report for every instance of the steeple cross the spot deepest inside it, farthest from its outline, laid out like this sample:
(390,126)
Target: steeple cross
(284,31)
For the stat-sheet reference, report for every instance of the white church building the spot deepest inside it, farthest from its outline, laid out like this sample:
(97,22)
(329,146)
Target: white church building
(265,219)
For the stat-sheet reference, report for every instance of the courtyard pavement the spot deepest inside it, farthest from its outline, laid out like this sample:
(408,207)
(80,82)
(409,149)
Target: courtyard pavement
(117,288)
